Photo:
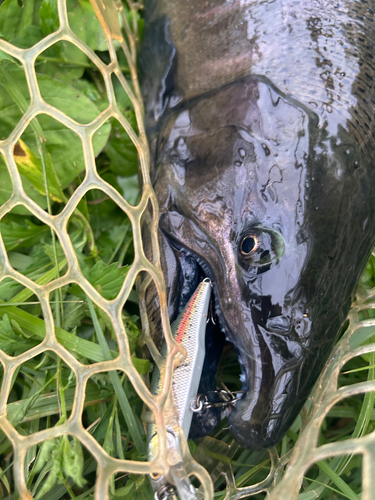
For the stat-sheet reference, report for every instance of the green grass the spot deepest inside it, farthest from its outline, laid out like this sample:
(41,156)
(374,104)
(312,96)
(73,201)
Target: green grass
(42,392)
(50,160)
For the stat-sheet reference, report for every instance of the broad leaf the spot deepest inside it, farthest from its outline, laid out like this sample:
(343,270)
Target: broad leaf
(106,279)
(21,234)
(62,144)
(32,168)
(13,341)
(15,18)
(85,24)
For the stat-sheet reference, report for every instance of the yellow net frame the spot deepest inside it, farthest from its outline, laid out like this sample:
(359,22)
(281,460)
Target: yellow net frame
(306,451)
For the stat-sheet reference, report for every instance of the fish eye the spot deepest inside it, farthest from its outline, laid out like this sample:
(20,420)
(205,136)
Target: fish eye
(260,248)
(249,244)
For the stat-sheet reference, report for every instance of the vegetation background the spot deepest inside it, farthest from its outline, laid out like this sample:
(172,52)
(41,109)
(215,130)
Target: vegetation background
(44,387)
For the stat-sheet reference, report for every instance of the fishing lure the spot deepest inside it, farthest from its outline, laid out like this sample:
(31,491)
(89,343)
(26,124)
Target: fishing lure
(260,117)
(189,331)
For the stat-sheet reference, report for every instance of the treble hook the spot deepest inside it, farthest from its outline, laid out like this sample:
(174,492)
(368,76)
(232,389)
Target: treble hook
(202,400)
(166,491)
(210,315)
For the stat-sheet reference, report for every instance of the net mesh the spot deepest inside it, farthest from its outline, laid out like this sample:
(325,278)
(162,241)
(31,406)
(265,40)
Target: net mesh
(107,466)
(287,471)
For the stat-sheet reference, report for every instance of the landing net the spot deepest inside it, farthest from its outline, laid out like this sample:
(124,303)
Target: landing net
(287,467)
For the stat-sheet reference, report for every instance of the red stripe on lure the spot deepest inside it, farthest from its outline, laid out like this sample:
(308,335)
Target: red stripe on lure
(188,314)
(189,330)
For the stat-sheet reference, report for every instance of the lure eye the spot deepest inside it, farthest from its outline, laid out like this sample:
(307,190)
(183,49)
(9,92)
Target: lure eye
(249,244)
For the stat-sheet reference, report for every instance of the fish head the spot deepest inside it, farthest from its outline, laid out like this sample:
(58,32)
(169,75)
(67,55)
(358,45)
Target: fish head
(256,195)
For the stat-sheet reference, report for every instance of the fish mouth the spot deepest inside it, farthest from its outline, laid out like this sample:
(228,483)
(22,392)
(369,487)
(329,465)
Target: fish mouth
(224,379)
(255,375)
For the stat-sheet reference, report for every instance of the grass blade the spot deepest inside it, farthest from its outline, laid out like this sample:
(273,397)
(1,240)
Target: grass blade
(127,411)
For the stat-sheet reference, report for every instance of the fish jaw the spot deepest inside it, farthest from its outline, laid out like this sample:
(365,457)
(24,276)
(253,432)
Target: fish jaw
(276,387)
(244,318)
(278,361)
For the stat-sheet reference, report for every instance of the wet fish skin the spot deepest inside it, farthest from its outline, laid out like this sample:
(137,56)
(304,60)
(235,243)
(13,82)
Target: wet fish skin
(265,128)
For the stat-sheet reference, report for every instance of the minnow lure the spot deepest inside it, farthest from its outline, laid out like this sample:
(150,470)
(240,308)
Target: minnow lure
(188,330)
(260,117)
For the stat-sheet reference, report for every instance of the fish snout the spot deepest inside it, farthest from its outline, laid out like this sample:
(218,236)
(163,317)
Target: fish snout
(260,419)
(273,355)
(259,435)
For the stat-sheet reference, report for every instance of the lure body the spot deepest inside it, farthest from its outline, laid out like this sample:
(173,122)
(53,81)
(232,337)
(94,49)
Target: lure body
(189,331)
(260,115)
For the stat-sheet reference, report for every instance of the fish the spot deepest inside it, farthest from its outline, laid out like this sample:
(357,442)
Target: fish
(188,330)
(260,120)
